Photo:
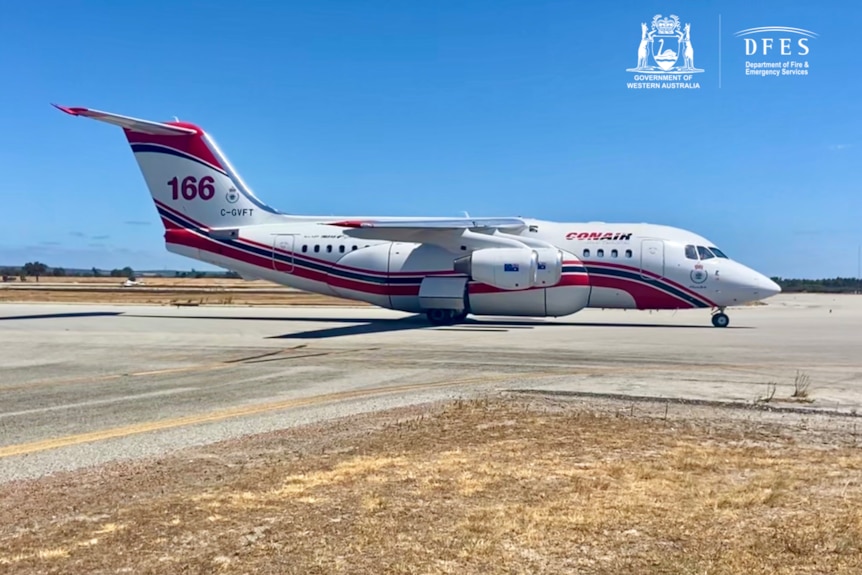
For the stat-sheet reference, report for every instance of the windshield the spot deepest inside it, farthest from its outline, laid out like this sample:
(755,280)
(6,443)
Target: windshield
(693,252)
(704,253)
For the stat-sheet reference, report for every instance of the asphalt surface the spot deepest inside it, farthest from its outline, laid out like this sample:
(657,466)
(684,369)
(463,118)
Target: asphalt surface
(82,385)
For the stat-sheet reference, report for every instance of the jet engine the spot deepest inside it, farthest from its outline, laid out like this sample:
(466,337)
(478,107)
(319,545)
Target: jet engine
(512,268)
(550,266)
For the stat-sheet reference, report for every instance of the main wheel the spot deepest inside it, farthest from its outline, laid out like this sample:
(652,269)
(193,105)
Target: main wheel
(441,316)
(720,320)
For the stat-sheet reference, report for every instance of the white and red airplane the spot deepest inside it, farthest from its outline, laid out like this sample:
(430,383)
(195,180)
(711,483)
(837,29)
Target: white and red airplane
(446,268)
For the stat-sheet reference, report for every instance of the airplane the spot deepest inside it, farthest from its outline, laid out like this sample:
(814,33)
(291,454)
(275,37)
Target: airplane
(446,268)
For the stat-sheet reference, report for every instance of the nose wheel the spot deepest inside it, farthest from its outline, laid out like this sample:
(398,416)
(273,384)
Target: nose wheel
(720,319)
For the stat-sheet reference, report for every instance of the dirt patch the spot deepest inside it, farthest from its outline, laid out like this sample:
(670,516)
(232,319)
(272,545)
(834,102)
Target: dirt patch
(504,486)
(164,291)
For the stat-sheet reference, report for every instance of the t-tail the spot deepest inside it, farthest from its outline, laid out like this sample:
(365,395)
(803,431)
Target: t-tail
(193,184)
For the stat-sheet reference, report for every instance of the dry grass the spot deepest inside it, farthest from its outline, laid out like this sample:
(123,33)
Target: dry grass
(150,281)
(162,291)
(801,385)
(475,487)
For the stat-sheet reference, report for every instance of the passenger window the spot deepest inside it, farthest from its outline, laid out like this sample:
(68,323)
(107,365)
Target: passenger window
(705,254)
(316,248)
(329,248)
(628,253)
(355,247)
(341,248)
(691,252)
(614,253)
(304,248)
(600,253)
(586,253)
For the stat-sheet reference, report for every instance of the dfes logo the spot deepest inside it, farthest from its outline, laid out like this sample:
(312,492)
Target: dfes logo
(772,51)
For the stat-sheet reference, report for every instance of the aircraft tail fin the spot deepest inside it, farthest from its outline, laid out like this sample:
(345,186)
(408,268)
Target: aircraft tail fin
(192,183)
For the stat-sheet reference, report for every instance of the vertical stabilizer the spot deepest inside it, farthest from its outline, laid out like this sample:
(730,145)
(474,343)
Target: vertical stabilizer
(191,181)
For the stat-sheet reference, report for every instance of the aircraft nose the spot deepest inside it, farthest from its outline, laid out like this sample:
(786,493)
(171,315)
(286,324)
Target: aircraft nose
(764,287)
(772,287)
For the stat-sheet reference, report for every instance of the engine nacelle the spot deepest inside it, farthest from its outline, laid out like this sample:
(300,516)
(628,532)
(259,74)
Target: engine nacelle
(550,267)
(503,268)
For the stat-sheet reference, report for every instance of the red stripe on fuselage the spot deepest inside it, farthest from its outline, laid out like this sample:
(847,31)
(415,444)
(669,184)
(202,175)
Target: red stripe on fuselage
(190,239)
(645,295)
(654,276)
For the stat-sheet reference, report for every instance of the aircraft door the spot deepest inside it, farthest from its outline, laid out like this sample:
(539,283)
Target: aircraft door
(282,252)
(652,258)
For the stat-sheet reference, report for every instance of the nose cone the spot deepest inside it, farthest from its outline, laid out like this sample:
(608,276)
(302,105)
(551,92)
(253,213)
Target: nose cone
(771,288)
(741,284)
(763,287)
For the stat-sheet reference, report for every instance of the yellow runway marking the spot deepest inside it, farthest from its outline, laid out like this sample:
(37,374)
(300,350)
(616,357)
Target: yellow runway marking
(220,415)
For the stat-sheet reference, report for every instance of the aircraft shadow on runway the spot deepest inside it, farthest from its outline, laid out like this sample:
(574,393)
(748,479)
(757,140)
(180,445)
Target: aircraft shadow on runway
(357,326)
(62,315)
(361,326)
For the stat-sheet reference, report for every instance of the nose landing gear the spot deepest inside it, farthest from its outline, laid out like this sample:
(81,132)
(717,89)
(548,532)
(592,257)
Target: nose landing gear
(720,319)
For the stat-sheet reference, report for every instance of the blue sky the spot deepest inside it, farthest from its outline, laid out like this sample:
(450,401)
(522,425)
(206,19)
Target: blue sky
(432,108)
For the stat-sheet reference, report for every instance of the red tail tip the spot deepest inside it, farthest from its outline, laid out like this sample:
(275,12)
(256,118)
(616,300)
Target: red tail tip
(70,110)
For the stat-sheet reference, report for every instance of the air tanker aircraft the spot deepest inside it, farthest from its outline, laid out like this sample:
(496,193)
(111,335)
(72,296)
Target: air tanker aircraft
(446,268)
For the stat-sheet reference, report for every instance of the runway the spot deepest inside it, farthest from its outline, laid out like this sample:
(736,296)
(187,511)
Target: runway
(83,385)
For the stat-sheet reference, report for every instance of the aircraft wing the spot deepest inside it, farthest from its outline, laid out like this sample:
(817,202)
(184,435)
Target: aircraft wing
(511,224)
(447,233)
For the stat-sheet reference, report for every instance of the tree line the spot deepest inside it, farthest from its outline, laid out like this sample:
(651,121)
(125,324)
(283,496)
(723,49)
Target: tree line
(829,285)
(38,269)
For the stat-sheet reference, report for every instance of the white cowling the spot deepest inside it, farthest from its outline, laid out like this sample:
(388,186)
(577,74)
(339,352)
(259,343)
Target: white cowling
(503,268)
(550,267)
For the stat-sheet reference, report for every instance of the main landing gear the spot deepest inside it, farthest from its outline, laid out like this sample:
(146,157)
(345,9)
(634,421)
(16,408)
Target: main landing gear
(445,316)
(720,319)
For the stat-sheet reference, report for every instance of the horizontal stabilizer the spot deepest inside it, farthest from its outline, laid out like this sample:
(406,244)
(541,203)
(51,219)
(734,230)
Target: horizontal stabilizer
(134,124)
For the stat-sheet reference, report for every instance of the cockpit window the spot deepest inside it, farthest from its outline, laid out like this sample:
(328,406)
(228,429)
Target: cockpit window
(691,252)
(704,253)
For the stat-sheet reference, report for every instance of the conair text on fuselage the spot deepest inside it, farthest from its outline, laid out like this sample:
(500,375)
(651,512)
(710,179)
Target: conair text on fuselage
(618,236)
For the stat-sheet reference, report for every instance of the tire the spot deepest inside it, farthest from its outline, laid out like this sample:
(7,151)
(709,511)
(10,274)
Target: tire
(441,316)
(720,320)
